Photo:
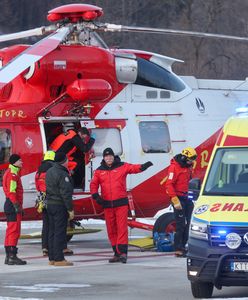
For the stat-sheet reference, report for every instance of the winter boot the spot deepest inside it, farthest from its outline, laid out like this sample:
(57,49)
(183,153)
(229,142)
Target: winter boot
(116,257)
(7,255)
(123,258)
(13,259)
(68,251)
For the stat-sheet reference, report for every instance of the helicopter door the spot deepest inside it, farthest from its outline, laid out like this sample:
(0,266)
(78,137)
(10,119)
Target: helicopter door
(107,133)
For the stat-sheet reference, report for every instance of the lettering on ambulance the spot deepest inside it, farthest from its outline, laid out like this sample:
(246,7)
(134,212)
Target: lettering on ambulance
(216,207)
(12,113)
(204,158)
(228,207)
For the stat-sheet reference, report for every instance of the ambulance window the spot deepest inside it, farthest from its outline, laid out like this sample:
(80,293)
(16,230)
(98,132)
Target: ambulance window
(152,75)
(155,137)
(228,174)
(107,137)
(5,150)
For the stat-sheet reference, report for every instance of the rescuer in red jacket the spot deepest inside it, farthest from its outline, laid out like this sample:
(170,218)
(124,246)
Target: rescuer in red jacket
(176,185)
(111,177)
(13,190)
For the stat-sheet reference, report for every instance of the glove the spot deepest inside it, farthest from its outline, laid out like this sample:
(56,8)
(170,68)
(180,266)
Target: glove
(93,136)
(176,202)
(71,214)
(17,208)
(98,199)
(146,165)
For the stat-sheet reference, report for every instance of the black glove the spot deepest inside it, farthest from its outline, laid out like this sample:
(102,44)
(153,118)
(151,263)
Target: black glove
(98,199)
(146,165)
(17,208)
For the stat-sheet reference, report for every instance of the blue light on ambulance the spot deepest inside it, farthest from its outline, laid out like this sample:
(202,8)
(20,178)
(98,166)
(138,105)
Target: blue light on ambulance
(222,232)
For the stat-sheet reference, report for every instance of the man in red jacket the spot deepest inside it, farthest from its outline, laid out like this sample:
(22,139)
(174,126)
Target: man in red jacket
(111,177)
(179,175)
(12,187)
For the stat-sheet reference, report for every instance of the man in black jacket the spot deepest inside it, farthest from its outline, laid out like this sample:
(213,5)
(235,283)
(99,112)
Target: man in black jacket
(59,189)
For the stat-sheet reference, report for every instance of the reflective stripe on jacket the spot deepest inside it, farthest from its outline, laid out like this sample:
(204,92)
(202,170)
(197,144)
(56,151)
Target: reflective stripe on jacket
(12,185)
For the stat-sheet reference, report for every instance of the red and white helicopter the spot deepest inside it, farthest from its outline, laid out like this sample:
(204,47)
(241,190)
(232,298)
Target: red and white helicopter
(131,100)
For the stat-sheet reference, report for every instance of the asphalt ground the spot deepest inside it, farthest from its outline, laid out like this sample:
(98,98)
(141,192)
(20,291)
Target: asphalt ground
(147,274)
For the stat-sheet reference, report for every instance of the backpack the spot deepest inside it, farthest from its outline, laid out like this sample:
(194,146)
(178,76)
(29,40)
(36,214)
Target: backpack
(164,242)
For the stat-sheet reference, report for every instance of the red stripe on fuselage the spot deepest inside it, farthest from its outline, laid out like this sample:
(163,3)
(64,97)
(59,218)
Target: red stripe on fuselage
(232,140)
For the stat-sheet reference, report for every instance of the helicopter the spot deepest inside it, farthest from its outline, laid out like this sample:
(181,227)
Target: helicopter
(130,100)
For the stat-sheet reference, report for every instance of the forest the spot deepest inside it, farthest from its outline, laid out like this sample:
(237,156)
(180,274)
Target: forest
(203,58)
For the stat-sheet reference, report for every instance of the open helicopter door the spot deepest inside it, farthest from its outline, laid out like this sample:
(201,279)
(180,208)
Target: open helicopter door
(107,133)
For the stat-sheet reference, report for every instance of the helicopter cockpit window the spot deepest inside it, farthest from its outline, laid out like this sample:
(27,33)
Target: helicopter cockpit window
(152,75)
(5,150)
(155,137)
(107,137)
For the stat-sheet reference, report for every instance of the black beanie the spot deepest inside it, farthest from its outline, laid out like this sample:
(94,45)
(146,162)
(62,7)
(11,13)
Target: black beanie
(84,130)
(14,158)
(108,151)
(60,157)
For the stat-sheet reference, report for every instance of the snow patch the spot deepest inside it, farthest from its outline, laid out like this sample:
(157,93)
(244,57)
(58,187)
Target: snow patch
(46,287)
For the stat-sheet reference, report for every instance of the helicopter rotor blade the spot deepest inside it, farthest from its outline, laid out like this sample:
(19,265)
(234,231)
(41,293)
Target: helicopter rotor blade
(121,28)
(32,55)
(27,33)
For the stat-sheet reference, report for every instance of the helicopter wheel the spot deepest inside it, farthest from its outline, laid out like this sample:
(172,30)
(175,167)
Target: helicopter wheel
(165,224)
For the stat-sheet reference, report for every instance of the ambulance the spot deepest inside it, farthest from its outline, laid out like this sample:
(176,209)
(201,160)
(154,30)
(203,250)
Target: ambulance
(218,237)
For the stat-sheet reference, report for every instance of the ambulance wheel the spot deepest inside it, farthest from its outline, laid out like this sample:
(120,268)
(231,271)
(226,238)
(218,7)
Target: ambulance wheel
(202,289)
(71,225)
(165,223)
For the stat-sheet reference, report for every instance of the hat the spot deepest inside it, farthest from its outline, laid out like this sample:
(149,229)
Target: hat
(14,158)
(49,155)
(84,130)
(108,151)
(60,157)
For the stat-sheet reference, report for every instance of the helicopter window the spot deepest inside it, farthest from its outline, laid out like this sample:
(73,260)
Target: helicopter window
(152,75)
(155,137)
(5,149)
(107,137)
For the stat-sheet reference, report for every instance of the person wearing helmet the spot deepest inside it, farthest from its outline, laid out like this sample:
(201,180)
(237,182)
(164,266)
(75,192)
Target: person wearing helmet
(40,183)
(176,186)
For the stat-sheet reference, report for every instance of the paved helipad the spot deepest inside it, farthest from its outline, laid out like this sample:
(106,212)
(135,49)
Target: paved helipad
(147,275)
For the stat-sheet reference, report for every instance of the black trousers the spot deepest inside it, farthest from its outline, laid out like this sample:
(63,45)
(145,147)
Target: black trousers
(182,218)
(45,230)
(58,217)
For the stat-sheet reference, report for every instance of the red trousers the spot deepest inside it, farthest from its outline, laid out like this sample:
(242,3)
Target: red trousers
(116,222)
(13,231)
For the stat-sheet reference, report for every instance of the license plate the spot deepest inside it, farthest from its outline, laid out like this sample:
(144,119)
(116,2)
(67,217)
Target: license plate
(239,266)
